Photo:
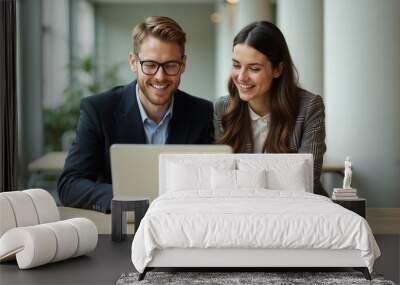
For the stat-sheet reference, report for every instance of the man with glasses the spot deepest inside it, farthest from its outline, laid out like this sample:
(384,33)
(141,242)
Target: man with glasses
(149,110)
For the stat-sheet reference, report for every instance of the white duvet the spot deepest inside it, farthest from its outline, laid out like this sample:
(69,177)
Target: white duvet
(251,218)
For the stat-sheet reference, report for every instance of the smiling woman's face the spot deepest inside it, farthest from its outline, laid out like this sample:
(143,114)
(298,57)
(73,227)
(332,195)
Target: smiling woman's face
(252,73)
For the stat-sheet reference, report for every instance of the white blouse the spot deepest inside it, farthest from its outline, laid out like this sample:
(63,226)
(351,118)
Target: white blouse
(260,127)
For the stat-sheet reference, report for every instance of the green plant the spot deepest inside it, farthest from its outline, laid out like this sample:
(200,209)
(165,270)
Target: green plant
(64,118)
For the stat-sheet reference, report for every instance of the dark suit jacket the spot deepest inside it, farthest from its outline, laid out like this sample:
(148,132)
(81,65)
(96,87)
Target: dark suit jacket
(308,135)
(114,117)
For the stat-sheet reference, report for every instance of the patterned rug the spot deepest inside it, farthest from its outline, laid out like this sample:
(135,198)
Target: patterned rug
(242,278)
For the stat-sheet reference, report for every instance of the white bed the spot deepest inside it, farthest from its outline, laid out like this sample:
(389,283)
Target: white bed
(225,216)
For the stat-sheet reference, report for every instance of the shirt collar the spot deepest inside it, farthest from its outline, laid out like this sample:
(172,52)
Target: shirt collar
(254,116)
(143,112)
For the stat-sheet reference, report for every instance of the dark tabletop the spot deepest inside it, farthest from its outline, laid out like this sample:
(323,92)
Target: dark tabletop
(104,265)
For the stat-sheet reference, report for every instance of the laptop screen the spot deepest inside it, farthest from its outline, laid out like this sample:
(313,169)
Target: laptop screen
(134,167)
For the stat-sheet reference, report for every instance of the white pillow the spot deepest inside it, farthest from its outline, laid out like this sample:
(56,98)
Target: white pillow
(184,175)
(237,179)
(292,180)
(182,178)
(290,175)
(223,179)
(251,178)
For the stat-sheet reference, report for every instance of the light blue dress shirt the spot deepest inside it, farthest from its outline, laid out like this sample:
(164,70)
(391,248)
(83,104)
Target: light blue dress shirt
(155,133)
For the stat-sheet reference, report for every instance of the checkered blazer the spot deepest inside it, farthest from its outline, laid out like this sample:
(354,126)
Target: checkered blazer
(308,135)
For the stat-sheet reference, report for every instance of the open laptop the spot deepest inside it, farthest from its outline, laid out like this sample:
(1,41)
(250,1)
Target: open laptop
(134,167)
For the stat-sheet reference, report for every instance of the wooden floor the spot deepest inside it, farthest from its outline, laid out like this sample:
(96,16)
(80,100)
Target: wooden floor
(389,262)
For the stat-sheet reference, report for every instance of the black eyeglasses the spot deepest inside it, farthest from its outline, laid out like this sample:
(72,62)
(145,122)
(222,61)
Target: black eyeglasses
(150,67)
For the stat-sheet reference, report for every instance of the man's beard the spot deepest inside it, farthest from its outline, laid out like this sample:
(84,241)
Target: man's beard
(153,98)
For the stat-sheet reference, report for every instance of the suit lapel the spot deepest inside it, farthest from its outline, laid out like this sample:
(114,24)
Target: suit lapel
(179,124)
(129,126)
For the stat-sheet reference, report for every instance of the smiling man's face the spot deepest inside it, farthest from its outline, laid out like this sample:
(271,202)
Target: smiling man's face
(157,89)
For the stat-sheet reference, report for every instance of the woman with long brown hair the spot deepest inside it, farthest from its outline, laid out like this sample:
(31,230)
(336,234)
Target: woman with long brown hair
(266,110)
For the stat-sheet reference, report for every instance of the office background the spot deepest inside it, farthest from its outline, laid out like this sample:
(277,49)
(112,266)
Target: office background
(346,51)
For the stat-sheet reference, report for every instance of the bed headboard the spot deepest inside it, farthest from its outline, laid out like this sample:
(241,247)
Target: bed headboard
(285,166)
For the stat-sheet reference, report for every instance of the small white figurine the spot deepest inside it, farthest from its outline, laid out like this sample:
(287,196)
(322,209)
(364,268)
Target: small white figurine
(347,174)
